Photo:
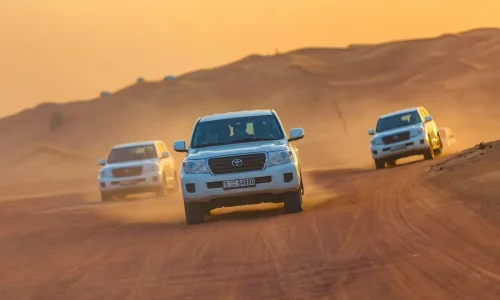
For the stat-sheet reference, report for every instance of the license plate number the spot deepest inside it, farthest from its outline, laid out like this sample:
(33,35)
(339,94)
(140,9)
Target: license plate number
(398,147)
(239,183)
(127,182)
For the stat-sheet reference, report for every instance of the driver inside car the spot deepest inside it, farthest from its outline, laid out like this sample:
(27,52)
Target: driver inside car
(239,130)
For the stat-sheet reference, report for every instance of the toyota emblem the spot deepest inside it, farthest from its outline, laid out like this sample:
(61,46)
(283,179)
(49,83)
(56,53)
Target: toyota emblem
(237,162)
(396,137)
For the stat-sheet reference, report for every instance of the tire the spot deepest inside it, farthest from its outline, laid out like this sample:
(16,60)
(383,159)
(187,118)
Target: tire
(439,150)
(106,196)
(176,182)
(391,162)
(379,164)
(194,213)
(429,152)
(302,190)
(163,190)
(293,202)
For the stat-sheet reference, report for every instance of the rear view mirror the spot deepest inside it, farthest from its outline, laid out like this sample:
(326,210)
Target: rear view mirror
(296,134)
(371,132)
(165,155)
(428,119)
(102,161)
(180,146)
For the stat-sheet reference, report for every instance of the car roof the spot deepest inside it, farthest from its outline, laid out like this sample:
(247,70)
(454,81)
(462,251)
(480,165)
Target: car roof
(237,114)
(402,111)
(136,144)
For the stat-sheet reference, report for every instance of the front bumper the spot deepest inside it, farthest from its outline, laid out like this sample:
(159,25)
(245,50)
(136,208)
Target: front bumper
(270,181)
(413,146)
(146,182)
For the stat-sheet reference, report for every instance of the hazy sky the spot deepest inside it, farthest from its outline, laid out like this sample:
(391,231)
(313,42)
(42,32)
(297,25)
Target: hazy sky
(62,50)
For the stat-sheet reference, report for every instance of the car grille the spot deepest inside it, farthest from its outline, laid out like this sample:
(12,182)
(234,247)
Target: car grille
(397,137)
(127,172)
(249,162)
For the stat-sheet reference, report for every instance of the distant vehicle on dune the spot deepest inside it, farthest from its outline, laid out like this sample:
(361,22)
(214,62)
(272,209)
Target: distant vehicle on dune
(137,168)
(404,133)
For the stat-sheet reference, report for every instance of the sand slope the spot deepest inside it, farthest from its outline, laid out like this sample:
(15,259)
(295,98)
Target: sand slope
(335,94)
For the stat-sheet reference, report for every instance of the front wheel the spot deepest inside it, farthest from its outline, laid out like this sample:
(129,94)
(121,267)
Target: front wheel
(106,196)
(293,202)
(429,152)
(379,164)
(176,183)
(194,213)
(162,191)
(439,150)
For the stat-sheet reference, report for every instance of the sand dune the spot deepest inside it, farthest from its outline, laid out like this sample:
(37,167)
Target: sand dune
(335,94)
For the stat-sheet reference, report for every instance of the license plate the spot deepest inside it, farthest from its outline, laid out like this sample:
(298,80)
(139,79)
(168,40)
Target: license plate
(398,147)
(128,182)
(239,183)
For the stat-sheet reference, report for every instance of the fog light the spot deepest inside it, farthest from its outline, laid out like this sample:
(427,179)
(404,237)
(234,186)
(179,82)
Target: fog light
(288,177)
(190,187)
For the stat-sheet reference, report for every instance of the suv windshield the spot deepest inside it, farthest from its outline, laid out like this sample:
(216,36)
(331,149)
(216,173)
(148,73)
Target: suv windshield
(132,153)
(236,130)
(400,120)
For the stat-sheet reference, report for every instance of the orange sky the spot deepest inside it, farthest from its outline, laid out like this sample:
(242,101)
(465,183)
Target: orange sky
(60,50)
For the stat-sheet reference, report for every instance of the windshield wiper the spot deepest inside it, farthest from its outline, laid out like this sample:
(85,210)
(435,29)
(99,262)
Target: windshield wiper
(210,145)
(252,140)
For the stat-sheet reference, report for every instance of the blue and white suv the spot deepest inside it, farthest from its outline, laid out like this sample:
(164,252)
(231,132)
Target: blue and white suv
(404,133)
(137,168)
(240,158)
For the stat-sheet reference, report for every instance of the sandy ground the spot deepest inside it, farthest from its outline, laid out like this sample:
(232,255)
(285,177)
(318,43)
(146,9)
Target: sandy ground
(422,230)
(416,231)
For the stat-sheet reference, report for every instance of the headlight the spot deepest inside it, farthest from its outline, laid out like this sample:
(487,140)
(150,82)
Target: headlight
(416,132)
(279,158)
(151,168)
(376,141)
(195,166)
(106,173)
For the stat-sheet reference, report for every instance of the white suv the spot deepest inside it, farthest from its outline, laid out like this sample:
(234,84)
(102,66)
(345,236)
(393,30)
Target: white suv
(240,158)
(404,133)
(137,168)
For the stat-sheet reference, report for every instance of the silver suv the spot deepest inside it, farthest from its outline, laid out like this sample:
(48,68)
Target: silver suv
(240,158)
(137,168)
(404,133)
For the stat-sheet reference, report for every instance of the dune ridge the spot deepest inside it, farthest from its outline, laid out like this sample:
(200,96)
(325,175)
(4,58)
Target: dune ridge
(334,94)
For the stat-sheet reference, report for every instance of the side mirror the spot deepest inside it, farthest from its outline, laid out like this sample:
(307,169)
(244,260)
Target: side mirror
(180,146)
(102,161)
(371,132)
(165,155)
(428,119)
(296,134)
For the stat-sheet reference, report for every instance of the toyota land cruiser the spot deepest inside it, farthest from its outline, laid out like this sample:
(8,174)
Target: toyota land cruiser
(240,158)
(404,133)
(137,168)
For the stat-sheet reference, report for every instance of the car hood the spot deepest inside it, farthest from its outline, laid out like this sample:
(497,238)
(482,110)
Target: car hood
(397,130)
(135,163)
(235,149)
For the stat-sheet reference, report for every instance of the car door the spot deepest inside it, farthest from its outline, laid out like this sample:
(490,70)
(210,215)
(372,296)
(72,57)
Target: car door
(429,126)
(167,163)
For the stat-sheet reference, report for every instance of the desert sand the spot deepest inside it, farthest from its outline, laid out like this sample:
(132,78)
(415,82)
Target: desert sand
(421,230)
